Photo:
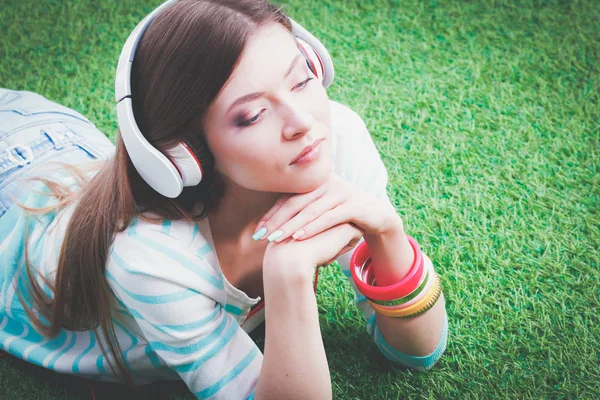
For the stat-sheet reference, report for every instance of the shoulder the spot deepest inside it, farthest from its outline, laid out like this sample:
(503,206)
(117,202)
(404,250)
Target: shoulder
(349,131)
(346,128)
(344,118)
(352,148)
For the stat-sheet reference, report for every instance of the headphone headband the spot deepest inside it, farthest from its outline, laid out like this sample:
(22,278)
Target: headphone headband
(152,165)
(123,79)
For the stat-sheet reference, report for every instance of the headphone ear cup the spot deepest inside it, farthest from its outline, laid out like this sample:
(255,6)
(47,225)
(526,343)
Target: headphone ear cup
(186,163)
(312,59)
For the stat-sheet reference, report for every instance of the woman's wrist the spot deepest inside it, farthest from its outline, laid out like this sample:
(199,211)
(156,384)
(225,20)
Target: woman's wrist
(393,223)
(392,240)
(408,297)
(286,274)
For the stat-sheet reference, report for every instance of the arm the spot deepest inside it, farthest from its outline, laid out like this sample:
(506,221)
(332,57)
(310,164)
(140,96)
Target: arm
(295,365)
(177,302)
(417,342)
(419,336)
(177,298)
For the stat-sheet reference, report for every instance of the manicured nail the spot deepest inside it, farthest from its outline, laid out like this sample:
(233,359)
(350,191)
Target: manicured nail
(259,233)
(298,234)
(275,235)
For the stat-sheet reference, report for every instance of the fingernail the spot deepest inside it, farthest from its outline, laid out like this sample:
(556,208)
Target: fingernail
(259,233)
(298,234)
(275,235)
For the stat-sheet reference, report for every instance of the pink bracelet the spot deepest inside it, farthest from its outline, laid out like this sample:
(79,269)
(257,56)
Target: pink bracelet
(362,273)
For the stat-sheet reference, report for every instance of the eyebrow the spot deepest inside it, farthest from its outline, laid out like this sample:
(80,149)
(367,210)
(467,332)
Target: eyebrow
(254,95)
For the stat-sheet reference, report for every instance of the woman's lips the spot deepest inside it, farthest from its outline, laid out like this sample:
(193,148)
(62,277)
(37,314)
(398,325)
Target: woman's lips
(311,155)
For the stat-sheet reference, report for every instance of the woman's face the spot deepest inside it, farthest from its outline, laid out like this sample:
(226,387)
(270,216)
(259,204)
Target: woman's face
(269,110)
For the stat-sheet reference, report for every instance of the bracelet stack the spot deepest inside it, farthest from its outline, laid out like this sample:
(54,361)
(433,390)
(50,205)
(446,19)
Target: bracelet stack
(416,293)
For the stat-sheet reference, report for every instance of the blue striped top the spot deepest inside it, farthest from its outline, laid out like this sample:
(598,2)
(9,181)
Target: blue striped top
(177,317)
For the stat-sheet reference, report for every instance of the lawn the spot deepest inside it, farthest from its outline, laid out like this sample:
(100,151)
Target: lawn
(487,115)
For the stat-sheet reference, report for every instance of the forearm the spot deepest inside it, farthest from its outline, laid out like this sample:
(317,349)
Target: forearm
(392,255)
(294,363)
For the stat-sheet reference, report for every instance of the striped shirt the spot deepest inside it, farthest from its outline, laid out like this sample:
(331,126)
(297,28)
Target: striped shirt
(176,315)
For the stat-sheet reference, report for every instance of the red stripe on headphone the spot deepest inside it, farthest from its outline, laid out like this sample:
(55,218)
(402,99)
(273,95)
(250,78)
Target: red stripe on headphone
(195,159)
(309,59)
(320,62)
(193,155)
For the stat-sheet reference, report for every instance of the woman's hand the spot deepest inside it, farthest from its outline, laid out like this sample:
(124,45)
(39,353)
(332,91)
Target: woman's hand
(302,216)
(320,249)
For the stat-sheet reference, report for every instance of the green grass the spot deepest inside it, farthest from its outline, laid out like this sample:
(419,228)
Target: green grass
(487,116)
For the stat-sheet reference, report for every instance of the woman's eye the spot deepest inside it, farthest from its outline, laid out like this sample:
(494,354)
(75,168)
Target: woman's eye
(302,84)
(250,121)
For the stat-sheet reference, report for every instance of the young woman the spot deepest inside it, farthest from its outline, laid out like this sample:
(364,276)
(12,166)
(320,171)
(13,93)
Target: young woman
(114,270)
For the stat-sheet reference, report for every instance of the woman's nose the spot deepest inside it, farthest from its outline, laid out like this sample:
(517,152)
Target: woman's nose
(297,121)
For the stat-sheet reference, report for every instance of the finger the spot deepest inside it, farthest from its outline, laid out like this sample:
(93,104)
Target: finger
(311,212)
(278,204)
(294,205)
(335,216)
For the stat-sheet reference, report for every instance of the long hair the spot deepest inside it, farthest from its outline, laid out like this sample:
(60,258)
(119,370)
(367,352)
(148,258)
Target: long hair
(185,57)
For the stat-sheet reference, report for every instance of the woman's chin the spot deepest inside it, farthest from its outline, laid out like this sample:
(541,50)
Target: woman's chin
(310,180)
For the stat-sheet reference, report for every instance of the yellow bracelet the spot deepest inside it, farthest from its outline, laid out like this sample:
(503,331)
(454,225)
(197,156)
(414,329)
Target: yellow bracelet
(427,307)
(416,308)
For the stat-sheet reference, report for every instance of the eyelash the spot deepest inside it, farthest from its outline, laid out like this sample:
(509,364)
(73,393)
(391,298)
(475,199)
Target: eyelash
(250,121)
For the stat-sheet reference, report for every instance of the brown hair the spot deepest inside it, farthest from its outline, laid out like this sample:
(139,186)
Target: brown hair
(185,57)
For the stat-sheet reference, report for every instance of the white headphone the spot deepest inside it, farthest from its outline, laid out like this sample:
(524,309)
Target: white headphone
(169,176)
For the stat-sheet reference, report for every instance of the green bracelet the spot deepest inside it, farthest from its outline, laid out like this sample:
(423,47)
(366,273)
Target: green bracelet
(406,298)
(429,305)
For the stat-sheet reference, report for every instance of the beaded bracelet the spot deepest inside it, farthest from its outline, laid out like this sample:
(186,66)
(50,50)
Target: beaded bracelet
(362,274)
